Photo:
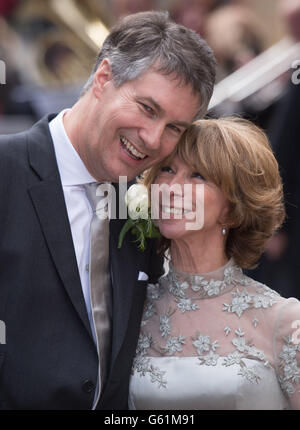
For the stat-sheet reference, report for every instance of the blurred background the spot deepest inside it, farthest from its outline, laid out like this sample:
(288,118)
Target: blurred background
(48,48)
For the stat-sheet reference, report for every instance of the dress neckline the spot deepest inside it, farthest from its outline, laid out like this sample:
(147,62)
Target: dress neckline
(203,285)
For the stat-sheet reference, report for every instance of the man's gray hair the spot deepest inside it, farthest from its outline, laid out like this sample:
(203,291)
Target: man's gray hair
(148,40)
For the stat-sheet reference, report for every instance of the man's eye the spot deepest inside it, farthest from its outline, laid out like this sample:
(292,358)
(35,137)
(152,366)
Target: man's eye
(148,109)
(174,128)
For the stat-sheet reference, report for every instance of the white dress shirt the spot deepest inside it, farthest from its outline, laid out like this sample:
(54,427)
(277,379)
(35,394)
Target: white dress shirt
(74,174)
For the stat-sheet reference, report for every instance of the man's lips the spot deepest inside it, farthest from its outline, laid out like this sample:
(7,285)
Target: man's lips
(131,150)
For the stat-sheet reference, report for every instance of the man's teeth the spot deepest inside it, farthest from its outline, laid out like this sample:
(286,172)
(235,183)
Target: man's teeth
(131,149)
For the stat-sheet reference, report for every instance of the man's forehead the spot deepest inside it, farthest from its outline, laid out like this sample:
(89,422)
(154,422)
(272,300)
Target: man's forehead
(179,98)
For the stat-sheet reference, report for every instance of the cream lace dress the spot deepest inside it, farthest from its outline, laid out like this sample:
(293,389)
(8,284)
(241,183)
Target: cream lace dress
(218,340)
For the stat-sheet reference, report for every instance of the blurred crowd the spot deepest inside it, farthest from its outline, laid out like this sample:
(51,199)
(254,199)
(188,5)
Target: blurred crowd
(43,47)
(49,48)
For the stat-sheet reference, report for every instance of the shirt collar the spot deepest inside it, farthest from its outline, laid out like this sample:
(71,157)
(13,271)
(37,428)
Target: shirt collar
(71,168)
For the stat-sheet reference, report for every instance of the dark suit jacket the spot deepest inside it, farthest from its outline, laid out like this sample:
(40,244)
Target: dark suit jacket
(285,138)
(49,360)
(284,135)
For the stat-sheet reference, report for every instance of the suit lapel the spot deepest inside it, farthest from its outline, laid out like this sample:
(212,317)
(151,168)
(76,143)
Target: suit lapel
(48,200)
(124,267)
(124,272)
(47,196)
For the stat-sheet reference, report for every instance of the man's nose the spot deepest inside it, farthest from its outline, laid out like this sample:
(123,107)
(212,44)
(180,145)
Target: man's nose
(152,136)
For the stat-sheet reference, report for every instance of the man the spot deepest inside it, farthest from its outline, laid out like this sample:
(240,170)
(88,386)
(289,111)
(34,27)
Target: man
(151,79)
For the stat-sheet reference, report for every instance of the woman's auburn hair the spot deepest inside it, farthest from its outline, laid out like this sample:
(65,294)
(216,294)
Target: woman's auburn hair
(236,156)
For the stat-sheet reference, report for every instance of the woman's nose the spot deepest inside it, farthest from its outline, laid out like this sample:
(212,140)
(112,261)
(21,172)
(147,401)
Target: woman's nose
(178,178)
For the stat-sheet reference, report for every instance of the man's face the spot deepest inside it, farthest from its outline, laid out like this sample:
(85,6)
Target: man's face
(134,126)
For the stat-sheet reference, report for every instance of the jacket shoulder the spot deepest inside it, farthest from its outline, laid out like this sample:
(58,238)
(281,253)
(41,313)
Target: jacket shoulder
(14,147)
(9,142)
(12,151)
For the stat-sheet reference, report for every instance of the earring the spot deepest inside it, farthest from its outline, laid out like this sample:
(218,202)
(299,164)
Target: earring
(224,231)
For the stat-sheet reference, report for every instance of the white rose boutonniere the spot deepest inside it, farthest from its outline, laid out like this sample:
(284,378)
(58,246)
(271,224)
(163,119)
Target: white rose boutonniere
(140,222)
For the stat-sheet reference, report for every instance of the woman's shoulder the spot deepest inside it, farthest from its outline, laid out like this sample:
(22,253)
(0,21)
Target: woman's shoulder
(258,288)
(249,297)
(285,310)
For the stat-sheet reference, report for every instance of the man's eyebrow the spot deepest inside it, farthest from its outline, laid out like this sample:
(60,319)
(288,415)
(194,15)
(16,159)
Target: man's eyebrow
(160,110)
(150,100)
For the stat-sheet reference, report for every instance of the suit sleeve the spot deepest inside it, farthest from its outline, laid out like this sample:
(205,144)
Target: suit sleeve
(156,263)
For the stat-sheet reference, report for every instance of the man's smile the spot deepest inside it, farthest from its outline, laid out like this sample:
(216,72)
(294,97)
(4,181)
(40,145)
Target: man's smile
(131,150)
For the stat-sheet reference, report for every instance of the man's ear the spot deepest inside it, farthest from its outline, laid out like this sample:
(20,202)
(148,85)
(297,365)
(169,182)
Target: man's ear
(102,76)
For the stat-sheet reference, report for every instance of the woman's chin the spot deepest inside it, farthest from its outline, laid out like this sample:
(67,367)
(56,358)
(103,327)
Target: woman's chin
(171,231)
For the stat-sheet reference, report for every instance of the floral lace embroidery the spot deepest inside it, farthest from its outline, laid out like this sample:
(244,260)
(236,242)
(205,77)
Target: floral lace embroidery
(174,344)
(290,367)
(206,355)
(186,305)
(178,282)
(243,300)
(154,292)
(164,326)
(227,330)
(203,344)
(148,312)
(206,349)
(251,374)
(142,364)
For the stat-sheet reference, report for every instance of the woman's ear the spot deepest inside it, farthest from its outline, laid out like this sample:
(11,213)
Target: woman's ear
(225,214)
(102,76)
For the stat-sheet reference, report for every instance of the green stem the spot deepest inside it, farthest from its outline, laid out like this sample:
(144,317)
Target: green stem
(127,226)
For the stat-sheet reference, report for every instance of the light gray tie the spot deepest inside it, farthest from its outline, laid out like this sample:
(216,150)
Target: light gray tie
(100,282)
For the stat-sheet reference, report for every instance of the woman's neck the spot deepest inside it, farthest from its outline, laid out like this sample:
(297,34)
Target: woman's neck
(201,255)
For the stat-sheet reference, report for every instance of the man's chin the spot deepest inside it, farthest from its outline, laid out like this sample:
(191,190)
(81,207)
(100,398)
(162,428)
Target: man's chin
(125,176)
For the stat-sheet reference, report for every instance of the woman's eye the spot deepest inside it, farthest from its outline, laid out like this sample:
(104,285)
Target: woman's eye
(166,169)
(198,175)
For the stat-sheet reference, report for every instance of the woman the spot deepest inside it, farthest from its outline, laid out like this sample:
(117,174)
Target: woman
(211,337)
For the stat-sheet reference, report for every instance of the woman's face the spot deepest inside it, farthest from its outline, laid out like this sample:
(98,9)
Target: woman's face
(195,205)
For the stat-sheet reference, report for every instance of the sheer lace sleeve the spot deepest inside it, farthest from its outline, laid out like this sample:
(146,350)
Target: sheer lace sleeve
(287,350)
